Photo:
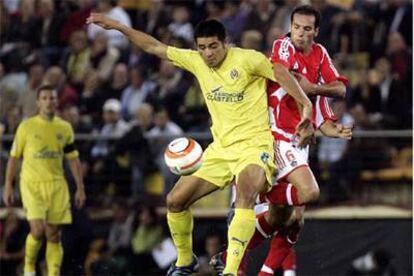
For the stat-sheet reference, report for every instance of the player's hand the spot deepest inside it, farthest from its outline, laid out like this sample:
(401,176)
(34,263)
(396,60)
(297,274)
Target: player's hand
(80,198)
(102,21)
(344,131)
(304,83)
(305,132)
(8,195)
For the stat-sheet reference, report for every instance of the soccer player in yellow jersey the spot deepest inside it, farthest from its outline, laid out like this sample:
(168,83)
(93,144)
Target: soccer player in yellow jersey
(42,142)
(233,82)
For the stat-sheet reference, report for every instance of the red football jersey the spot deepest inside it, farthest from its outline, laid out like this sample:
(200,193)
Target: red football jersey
(317,66)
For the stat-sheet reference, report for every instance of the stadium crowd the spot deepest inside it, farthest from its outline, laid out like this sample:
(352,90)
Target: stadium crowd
(107,87)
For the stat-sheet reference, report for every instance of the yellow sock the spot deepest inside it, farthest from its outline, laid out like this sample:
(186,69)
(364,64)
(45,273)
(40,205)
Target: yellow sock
(30,256)
(54,257)
(181,228)
(240,232)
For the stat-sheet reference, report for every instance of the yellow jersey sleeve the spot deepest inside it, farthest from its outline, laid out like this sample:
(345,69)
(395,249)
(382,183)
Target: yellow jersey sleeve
(184,58)
(259,65)
(19,141)
(69,149)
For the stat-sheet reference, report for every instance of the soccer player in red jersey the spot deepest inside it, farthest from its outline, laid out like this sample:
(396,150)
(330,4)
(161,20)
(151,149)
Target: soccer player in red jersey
(297,186)
(318,77)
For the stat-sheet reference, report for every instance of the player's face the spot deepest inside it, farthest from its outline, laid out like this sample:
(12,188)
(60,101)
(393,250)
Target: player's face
(212,50)
(47,102)
(303,31)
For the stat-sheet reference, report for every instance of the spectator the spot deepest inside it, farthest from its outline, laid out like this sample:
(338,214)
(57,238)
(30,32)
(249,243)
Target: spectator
(91,99)
(10,124)
(51,23)
(261,16)
(114,125)
(329,27)
(213,244)
(193,116)
(146,237)
(138,92)
(120,232)
(24,26)
(215,9)
(12,241)
(56,77)
(71,114)
(181,26)
(252,39)
(27,100)
(154,20)
(145,117)
(162,133)
(112,10)
(172,86)
(106,170)
(233,19)
(401,59)
(76,18)
(103,57)
(135,147)
(77,60)
(281,19)
(114,87)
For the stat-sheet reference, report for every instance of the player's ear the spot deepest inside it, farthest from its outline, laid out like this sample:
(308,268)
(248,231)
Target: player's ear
(316,32)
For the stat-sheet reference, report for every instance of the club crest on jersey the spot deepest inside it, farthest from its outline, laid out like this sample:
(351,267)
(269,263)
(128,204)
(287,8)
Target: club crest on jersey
(59,136)
(264,157)
(234,74)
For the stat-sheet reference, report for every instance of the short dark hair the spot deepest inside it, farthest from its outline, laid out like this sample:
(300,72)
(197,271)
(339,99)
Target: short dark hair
(307,10)
(42,88)
(210,28)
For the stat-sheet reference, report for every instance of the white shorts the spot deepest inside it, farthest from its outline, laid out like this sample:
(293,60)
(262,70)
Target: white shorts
(288,158)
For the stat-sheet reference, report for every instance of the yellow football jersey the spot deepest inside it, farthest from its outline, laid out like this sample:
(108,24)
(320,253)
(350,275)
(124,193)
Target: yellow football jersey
(235,92)
(43,144)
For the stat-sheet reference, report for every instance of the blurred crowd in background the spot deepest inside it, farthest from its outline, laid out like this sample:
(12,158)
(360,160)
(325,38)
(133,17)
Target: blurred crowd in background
(107,87)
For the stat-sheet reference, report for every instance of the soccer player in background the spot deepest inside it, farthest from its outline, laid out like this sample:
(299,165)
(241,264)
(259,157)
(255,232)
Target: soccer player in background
(233,82)
(43,141)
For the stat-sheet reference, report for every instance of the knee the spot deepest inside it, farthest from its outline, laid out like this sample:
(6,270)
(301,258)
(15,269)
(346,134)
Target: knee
(246,195)
(174,203)
(53,235)
(37,231)
(311,195)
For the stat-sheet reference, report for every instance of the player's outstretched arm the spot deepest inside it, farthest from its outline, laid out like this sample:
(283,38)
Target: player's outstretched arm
(75,168)
(305,129)
(144,41)
(336,130)
(11,170)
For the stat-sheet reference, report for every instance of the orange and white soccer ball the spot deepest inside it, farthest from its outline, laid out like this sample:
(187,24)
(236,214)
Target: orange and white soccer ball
(183,156)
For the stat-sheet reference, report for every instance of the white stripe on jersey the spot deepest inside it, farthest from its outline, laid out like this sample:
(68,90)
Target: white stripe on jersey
(328,108)
(289,194)
(267,269)
(319,116)
(326,55)
(280,93)
(261,231)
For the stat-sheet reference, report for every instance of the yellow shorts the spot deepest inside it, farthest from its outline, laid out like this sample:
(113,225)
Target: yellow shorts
(222,164)
(47,200)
